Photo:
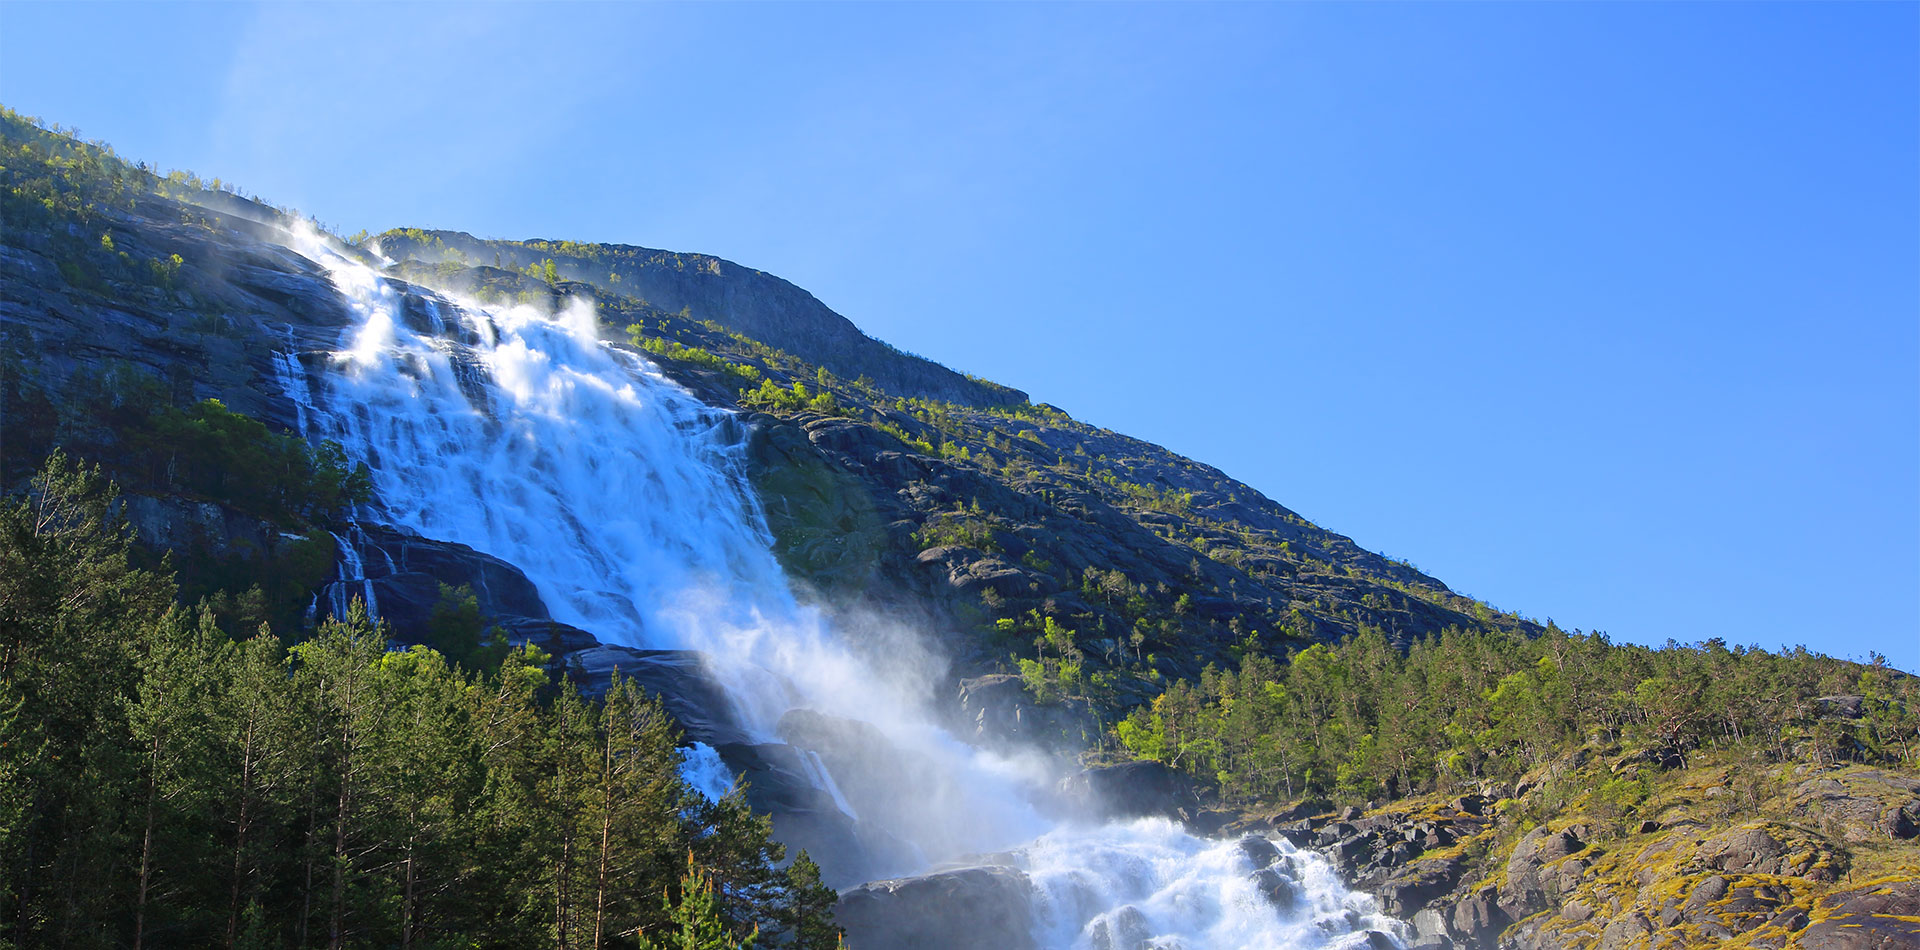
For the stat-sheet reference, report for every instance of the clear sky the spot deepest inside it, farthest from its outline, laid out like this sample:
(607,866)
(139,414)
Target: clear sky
(1604,313)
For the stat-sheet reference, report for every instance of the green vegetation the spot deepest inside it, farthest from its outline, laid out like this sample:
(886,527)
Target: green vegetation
(1360,721)
(793,398)
(674,350)
(165,784)
(126,419)
(968,527)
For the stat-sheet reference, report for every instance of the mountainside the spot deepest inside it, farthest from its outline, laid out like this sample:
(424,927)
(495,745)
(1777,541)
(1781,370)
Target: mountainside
(703,287)
(1205,652)
(988,515)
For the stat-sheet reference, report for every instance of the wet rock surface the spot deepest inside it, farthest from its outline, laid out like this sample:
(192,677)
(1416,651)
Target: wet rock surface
(997,712)
(1132,790)
(678,678)
(984,908)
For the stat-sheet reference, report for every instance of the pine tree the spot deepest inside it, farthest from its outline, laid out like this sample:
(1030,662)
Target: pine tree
(695,922)
(173,718)
(807,913)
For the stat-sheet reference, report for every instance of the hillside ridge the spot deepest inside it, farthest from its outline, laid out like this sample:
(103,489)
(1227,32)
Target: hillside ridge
(764,306)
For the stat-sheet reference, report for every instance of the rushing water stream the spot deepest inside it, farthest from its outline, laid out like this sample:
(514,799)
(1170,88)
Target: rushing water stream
(624,501)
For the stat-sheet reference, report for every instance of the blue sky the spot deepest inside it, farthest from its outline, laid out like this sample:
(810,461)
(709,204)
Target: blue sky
(1606,313)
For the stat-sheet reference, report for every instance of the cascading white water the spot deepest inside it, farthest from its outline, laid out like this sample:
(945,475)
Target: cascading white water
(623,499)
(700,765)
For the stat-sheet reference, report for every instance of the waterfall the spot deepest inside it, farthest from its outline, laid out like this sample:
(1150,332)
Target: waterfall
(625,501)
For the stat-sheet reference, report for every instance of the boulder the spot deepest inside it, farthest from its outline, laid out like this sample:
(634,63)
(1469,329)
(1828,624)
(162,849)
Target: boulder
(1418,885)
(1769,848)
(1276,888)
(679,678)
(1123,929)
(1623,932)
(1479,918)
(997,712)
(1529,886)
(1138,789)
(983,908)
(1876,917)
(1865,804)
(1259,851)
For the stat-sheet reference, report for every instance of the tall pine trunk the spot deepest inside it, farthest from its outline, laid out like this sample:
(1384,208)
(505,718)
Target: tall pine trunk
(146,842)
(241,827)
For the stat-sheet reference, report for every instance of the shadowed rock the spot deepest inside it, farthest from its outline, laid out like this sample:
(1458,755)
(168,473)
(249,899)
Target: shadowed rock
(1141,789)
(987,908)
(997,711)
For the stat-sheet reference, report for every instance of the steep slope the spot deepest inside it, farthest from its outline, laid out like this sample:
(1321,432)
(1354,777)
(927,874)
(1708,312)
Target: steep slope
(704,287)
(990,521)
(1001,516)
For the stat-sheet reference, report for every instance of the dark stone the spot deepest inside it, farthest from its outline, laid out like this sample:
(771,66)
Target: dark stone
(987,908)
(1294,812)
(1841,707)
(1123,929)
(776,778)
(1132,790)
(1277,888)
(998,712)
(407,572)
(1422,882)
(1527,891)
(1479,917)
(679,678)
(1259,851)
(1297,833)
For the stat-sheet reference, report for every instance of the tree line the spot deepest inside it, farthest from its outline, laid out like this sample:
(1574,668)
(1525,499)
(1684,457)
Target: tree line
(164,783)
(1362,721)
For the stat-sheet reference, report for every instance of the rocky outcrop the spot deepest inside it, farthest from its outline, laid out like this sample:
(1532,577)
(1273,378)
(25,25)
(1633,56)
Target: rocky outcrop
(1865,804)
(997,711)
(826,527)
(1140,789)
(680,679)
(1772,849)
(1539,871)
(1883,916)
(983,908)
(406,571)
(1466,879)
